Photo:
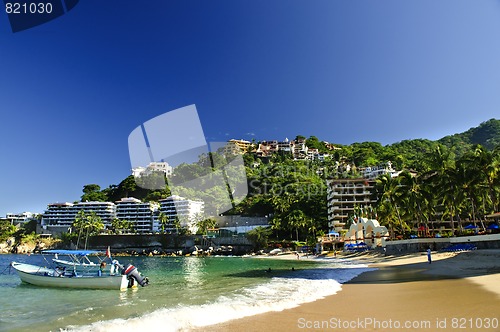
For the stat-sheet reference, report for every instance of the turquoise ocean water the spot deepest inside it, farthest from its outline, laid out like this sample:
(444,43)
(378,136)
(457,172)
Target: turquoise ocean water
(184,292)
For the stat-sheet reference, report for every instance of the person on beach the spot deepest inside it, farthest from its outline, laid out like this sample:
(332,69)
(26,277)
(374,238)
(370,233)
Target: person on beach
(429,255)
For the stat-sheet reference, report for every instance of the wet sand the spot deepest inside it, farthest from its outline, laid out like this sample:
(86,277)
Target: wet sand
(455,292)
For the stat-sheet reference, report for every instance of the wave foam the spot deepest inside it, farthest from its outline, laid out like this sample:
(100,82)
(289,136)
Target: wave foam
(275,295)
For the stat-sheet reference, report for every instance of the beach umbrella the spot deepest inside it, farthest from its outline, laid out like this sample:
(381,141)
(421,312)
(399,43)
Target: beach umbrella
(470,226)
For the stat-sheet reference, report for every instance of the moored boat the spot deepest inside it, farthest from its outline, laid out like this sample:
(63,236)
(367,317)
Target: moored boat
(46,277)
(74,273)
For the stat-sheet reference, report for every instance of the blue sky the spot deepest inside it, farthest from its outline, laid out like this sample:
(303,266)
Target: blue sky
(72,90)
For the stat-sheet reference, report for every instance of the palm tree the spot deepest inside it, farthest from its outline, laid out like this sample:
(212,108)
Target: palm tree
(177,224)
(79,224)
(259,236)
(205,224)
(469,181)
(296,219)
(388,202)
(163,219)
(413,197)
(89,223)
(451,197)
(119,225)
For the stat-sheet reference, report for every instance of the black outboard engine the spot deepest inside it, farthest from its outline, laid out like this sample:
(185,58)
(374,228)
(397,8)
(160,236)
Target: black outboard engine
(132,274)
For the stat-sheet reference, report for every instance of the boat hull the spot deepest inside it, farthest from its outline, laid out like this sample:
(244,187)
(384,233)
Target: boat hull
(40,276)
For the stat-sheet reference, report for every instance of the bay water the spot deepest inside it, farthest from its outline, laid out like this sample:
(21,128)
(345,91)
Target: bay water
(184,292)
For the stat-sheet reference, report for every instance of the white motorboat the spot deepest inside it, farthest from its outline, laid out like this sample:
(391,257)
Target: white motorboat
(46,277)
(72,274)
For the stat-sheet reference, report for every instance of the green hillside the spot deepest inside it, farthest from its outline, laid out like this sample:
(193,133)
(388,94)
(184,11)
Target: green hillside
(293,192)
(486,134)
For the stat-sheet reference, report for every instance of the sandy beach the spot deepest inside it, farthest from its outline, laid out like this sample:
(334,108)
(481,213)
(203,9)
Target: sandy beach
(456,292)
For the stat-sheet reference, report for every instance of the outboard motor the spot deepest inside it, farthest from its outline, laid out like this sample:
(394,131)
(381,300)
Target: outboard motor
(132,274)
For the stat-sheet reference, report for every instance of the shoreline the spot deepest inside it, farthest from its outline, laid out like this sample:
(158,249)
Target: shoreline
(458,290)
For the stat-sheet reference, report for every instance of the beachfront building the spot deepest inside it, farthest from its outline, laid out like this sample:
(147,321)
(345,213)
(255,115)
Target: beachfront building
(60,216)
(140,214)
(105,210)
(346,195)
(187,211)
(366,232)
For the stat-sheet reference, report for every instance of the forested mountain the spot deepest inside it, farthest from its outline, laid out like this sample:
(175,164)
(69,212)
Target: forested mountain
(486,134)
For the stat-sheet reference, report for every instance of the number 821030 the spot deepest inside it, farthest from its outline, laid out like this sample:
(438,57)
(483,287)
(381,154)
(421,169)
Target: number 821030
(28,8)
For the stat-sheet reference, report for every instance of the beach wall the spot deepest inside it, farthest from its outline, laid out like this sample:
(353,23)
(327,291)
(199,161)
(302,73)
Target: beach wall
(164,242)
(139,242)
(490,241)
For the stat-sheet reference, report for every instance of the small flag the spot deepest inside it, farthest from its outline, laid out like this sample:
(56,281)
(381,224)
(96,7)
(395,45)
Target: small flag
(108,253)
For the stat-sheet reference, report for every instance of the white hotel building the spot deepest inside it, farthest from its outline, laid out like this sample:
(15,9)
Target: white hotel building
(59,217)
(141,215)
(186,210)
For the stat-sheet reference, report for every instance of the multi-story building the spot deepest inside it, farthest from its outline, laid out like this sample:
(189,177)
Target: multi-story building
(60,216)
(153,167)
(186,210)
(266,148)
(105,210)
(141,215)
(312,153)
(235,146)
(376,171)
(285,146)
(300,149)
(344,195)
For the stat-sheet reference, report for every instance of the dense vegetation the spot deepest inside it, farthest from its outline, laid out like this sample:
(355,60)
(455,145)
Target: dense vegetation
(456,179)
(486,134)
(446,189)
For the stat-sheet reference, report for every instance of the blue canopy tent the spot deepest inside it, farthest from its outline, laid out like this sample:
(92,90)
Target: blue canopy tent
(72,252)
(493,226)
